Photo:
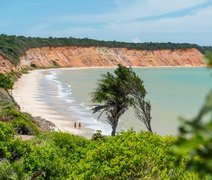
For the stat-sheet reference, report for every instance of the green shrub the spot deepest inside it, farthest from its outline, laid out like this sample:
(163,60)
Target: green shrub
(23,127)
(98,135)
(21,122)
(6,82)
(13,149)
(17,149)
(73,147)
(9,171)
(12,113)
(6,132)
(6,170)
(130,156)
(4,152)
(46,158)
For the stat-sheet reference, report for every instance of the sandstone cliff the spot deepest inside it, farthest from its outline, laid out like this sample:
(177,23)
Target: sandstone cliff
(99,56)
(6,65)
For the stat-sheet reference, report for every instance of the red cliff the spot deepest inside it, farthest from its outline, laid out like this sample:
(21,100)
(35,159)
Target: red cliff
(100,56)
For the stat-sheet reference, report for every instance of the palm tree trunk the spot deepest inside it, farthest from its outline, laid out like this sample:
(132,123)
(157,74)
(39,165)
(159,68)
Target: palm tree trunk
(113,133)
(114,123)
(149,127)
(114,126)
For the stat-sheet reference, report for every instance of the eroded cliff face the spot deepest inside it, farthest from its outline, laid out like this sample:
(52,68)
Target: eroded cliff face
(100,56)
(6,65)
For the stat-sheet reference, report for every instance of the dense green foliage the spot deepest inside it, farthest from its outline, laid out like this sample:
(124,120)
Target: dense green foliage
(6,82)
(128,155)
(195,140)
(22,123)
(9,110)
(12,47)
(117,92)
(208,58)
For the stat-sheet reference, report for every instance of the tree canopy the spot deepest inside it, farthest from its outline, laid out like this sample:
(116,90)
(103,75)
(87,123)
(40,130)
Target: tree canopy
(117,92)
(12,47)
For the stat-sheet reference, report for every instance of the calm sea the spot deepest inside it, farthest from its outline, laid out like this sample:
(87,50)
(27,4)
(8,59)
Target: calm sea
(173,92)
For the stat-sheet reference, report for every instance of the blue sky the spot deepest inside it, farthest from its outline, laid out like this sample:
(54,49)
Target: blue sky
(122,20)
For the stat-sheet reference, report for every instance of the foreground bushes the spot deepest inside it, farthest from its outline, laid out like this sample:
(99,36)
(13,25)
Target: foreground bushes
(21,123)
(65,156)
(131,156)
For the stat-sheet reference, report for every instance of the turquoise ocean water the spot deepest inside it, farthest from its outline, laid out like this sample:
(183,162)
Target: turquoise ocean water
(173,92)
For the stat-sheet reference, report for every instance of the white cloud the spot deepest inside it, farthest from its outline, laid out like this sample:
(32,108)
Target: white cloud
(193,28)
(146,8)
(189,28)
(136,40)
(126,10)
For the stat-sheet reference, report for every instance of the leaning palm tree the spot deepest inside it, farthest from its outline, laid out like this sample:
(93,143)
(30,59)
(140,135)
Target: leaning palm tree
(113,98)
(116,93)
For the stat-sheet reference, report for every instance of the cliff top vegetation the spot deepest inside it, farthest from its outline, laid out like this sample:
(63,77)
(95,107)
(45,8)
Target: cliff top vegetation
(12,47)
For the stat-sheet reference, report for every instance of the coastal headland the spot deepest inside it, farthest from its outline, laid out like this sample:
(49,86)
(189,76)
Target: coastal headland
(41,53)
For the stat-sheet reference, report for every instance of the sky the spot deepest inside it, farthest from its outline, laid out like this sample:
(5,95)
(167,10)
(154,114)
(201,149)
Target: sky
(175,21)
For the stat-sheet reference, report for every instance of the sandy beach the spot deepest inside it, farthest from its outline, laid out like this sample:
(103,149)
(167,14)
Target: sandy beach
(40,99)
(27,89)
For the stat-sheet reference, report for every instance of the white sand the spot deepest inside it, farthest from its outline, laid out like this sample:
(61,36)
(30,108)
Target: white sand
(26,90)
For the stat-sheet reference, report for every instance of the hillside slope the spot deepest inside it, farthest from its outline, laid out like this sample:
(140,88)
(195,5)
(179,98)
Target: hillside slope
(6,65)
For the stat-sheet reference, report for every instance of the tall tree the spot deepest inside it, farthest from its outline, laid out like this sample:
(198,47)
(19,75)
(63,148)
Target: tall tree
(116,93)
(143,112)
(141,106)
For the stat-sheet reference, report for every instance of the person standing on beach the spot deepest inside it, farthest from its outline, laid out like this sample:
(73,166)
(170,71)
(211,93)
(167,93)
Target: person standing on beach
(75,125)
(79,125)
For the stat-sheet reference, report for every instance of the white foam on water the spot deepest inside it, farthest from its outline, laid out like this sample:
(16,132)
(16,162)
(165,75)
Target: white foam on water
(64,90)
(97,125)
(79,110)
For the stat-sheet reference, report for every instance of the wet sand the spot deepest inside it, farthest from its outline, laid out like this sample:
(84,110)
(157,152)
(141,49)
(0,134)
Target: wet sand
(27,89)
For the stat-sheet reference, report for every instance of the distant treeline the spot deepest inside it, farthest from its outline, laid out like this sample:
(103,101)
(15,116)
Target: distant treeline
(12,47)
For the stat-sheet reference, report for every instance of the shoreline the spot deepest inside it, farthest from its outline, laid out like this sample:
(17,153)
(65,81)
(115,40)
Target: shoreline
(26,92)
(105,67)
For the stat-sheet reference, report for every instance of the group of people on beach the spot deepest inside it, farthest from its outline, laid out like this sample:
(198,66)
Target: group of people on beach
(79,125)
